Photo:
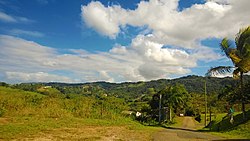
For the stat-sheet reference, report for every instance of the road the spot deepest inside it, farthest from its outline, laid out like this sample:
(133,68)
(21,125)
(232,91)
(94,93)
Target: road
(187,132)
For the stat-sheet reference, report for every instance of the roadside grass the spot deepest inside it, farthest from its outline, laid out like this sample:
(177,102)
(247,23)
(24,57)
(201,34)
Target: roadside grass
(221,126)
(177,122)
(32,127)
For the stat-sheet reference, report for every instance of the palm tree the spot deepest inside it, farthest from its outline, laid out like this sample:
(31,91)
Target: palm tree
(239,55)
(173,97)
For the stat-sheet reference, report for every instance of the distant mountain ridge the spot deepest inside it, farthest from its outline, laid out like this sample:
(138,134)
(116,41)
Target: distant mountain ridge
(193,84)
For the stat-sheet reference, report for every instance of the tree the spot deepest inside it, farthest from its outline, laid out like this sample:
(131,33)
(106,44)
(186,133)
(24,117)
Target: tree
(173,97)
(240,57)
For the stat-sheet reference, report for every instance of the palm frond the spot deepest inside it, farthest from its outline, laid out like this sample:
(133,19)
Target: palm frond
(233,55)
(236,73)
(246,48)
(225,46)
(244,65)
(219,70)
(241,38)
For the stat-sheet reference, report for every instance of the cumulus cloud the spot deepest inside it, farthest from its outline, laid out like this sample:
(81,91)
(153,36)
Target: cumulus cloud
(170,26)
(173,45)
(103,19)
(23,60)
(36,77)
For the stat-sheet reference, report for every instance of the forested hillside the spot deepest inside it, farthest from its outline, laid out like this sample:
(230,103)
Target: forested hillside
(131,90)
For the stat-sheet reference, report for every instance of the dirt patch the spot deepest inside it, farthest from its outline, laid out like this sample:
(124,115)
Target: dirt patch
(188,123)
(4,121)
(92,133)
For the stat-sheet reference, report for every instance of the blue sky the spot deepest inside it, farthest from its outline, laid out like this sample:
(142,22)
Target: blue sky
(114,40)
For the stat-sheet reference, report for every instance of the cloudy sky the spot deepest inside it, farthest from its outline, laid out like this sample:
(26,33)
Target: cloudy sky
(114,40)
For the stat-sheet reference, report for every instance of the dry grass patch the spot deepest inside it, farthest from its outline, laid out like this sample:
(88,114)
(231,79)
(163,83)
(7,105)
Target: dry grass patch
(99,133)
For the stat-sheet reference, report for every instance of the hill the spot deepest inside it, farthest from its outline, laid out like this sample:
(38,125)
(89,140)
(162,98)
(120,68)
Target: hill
(132,90)
(28,115)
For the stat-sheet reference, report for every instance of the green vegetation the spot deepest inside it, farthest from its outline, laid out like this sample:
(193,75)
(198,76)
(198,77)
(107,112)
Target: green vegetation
(171,98)
(27,113)
(30,109)
(237,129)
(240,57)
(237,93)
(52,104)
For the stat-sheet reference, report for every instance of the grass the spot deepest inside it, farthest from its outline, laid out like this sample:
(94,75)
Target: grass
(32,116)
(32,127)
(177,123)
(239,129)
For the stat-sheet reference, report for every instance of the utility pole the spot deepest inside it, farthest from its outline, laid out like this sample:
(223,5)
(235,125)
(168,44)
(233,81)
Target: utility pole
(160,109)
(205,88)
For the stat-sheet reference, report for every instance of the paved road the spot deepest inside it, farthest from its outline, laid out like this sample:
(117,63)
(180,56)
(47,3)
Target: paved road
(185,133)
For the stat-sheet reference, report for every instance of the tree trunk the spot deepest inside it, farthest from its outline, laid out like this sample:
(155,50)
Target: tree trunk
(170,113)
(242,97)
(243,110)
(160,109)
(210,117)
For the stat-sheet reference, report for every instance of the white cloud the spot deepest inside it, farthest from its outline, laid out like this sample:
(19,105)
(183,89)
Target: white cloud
(14,19)
(172,47)
(23,60)
(181,31)
(6,18)
(26,32)
(103,19)
(36,77)
(215,18)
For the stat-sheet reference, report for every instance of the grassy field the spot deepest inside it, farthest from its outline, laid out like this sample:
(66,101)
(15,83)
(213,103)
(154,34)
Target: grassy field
(51,116)
(33,116)
(73,129)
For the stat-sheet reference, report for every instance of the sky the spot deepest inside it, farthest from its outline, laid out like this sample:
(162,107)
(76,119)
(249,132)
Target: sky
(114,40)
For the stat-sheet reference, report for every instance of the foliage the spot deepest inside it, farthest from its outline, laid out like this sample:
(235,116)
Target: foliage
(22,103)
(239,55)
(4,84)
(134,90)
(28,113)
(137,95)
(175,97)
(236,94)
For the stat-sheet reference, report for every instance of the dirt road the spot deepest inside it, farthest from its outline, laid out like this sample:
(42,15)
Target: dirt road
(187,132)
(188,123)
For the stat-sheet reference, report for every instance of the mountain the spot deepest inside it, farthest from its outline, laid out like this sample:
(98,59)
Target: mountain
(128,90)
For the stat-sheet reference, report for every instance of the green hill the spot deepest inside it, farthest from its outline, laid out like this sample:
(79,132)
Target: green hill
(53,104)
(132,90)
(28,115)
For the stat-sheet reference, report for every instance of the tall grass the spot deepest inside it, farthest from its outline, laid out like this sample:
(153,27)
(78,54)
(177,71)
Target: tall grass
(14,102)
